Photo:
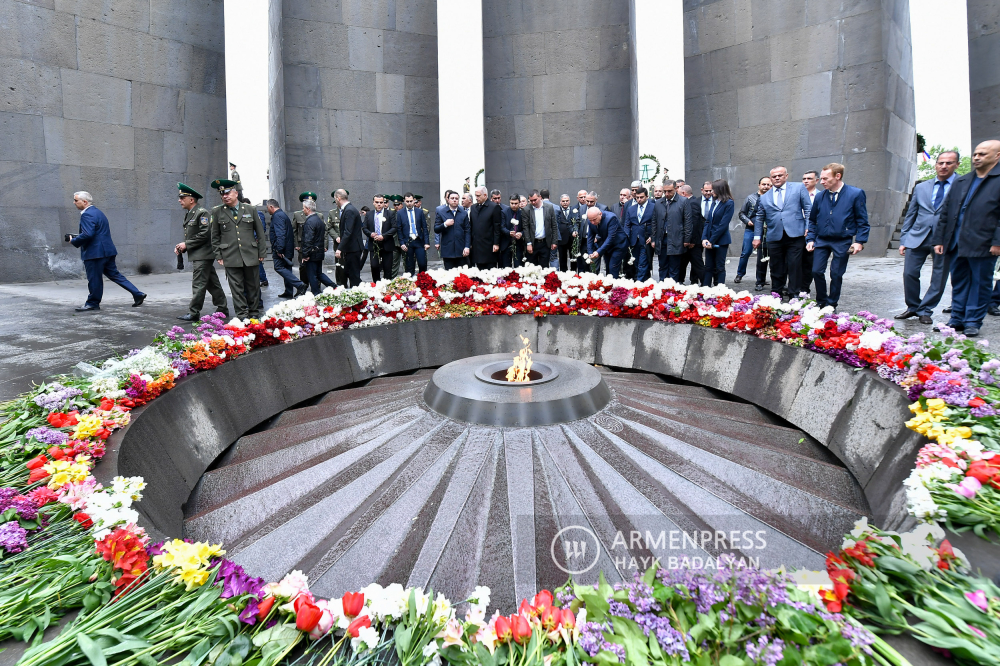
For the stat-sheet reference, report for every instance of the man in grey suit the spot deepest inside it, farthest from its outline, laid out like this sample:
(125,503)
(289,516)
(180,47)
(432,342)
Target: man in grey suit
(915,240)
(784,209)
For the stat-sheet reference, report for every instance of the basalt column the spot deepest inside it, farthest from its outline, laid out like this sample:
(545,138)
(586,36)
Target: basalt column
(984,69)
(360,99)
(802,84)
(559,96)
(120,99)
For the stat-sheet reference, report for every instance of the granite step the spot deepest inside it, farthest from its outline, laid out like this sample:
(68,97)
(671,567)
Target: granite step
(739,411)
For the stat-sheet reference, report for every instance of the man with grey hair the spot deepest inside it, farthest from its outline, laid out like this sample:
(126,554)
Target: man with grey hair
(283,249)
(684,189)
(98,253)
(313,246)
(485,219)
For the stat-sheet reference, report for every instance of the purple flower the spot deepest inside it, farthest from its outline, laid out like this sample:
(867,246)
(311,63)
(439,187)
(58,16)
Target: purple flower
(235,581)
(765,652)
(47,436)
(13,537)
(154,549)
(859,636)
(25,508)
(57,397)
(249,614)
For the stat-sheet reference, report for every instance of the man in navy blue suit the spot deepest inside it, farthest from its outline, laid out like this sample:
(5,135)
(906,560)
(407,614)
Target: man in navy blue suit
(638,229)
(452,222)
(605,238)
(783,210)
(838,224)
(98,253)
(411,225)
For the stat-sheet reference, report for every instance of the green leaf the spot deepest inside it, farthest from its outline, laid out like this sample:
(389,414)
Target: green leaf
(197,653)
(731,660)
(890,563)
(91,650)
(883,602)
(403,636)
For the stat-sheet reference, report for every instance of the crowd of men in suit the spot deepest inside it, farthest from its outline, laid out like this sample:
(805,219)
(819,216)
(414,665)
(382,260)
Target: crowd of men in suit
(956,221)
(799,231)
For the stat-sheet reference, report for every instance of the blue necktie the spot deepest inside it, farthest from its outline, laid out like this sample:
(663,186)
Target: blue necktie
(413,227)
(938,194)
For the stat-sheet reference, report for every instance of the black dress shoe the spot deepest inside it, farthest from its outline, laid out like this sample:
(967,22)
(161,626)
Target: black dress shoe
(946,310)
(759,287)
(958,327)
(906,314)
(993,310)
(739,278)
(301,290)
(924,319)
(285,294)
(188,317)
(264,284)
(972,332)
(89,308)
(138,300)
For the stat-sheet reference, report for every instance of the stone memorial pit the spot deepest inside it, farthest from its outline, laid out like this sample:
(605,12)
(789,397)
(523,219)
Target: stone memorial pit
(457,476)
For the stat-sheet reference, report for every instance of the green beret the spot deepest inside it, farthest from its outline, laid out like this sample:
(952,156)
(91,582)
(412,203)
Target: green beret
(308,195)
(223,184)
(185,191)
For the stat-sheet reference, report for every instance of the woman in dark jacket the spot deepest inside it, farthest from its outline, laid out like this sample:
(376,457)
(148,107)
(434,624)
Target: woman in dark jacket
(715,237)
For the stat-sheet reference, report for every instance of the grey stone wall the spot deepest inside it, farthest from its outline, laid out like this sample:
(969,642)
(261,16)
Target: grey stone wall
(559,95)
(275,105)
(361,98)
(984,69)
(121,99)
(802,84)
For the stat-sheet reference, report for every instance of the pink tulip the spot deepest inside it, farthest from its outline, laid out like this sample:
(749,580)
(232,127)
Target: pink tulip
(978,599)
(967,488)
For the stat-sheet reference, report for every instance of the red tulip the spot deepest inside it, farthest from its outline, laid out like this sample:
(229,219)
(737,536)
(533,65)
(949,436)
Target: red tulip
(36,463)
(520,628)
(264,607)
(567,620)
(982,471)
(550,618)
(357,624)
(56,453)
(307,616)
(107,404)
(526,609)
(502,627)
(37,475)
(543,599)
(83,519)
(977,402)
(353,603)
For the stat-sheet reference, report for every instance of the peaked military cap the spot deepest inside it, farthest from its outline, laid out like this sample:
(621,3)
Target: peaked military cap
(185,191)
(223,184)
(418,197)
(308,195)
(232,165)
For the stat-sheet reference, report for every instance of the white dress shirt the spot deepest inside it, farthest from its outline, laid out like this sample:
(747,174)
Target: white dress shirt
(539,221)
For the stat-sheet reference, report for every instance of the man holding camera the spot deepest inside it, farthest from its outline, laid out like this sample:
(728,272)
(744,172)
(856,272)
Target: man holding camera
(98,253)
(198,246)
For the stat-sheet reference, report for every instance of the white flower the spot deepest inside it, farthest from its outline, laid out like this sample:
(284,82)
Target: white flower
(367,639)
(872,339)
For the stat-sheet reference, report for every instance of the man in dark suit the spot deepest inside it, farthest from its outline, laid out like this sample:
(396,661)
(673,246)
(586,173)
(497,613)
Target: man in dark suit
(915,240)
(593,203)
(694,255)
(838,224)
(351,238)
(511,235)
(411,228)
(541,231)
(485,219)
(969,229)
(783,210)
(452,223)
(313,245)
(638,232)
(283,249)
(569,229)
(605,238)
(98,253)
(380,228)
(673,221)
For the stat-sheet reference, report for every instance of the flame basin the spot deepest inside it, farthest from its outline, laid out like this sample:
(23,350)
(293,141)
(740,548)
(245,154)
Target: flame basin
(567,390)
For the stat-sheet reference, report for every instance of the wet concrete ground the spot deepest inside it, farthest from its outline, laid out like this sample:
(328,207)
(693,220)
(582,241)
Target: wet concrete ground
(41,335)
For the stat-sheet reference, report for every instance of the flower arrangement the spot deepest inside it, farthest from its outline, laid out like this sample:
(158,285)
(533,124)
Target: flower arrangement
(67,542)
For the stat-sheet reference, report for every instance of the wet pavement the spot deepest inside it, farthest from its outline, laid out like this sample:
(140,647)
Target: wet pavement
(41,335)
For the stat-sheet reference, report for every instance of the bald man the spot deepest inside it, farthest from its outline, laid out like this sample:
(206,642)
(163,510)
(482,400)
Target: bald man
(968,229)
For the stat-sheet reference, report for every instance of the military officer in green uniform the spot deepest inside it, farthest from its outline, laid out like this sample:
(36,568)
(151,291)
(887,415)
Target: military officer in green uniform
(235,177)
(198,246)
(235,229)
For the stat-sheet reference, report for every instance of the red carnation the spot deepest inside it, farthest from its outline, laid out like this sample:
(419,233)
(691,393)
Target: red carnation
(83,519)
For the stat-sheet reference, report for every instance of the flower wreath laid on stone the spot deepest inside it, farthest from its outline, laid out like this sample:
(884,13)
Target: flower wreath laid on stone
(67,542)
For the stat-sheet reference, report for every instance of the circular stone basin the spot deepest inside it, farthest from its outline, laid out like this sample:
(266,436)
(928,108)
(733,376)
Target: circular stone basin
(475,390)
(496,373)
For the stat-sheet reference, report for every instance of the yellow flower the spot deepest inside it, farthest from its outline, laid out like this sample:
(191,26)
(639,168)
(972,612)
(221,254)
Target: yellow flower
(87,427)
(191,559)
(950,435)
(192,578)
(64,471)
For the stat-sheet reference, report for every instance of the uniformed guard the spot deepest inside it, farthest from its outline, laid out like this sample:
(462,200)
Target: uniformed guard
(235,229)
(198,246)
(235,177)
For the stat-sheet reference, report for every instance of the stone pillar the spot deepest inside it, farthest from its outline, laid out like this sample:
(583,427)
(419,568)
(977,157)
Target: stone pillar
(802,84)
(120,102)
(559,96)
(360,99)
(984,69)
(275,106)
